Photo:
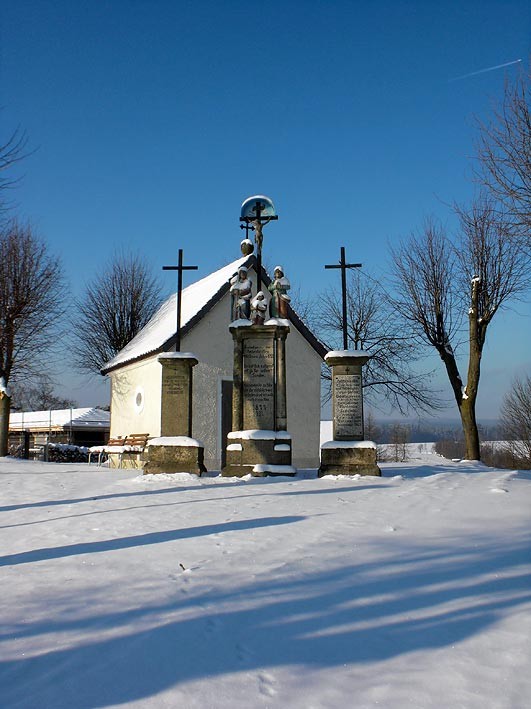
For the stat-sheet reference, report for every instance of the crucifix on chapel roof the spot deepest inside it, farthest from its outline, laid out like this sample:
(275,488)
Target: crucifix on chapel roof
(256,212)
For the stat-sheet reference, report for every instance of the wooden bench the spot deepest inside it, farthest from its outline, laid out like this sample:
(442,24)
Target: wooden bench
(137,440)
(113,443)
(132,444)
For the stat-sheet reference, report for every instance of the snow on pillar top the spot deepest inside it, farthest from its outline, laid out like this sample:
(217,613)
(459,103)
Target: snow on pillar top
(179,356)
(358,357)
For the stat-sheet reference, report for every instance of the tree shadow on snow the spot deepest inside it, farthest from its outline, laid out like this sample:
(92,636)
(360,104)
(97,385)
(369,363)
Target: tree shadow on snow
(408,599)
(390,470)
(200,486)
(140,540)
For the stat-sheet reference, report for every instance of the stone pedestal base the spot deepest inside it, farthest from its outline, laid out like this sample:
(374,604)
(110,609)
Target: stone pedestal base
(348,458)
(178,454)
(258,453)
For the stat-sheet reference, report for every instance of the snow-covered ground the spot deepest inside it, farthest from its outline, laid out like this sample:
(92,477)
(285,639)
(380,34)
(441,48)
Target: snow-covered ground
(411,590)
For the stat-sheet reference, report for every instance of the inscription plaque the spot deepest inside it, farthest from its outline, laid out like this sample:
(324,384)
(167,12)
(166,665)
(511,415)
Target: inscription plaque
(348,408)
(259,384)
(174,382)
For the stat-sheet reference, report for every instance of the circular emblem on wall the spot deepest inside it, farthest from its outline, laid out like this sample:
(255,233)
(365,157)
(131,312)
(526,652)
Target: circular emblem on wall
(138,399)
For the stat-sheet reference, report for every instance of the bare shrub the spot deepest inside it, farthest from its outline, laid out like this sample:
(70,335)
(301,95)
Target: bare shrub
(373,326)
(450,449)
(516,421)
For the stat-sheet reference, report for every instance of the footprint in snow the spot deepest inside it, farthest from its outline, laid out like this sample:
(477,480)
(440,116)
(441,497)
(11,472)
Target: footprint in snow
(498,489)
(243,652)
(266,683)
(212,625)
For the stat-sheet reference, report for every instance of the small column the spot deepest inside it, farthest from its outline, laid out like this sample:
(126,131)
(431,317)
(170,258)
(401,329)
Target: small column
(282,406)
(237,385)
(348,453)
(175,451)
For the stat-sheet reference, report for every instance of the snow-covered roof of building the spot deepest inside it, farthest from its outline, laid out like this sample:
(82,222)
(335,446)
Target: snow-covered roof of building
(85,418)
(197,299)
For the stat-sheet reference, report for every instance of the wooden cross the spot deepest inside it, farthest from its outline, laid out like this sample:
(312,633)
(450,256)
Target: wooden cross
(179,268)
(343,265)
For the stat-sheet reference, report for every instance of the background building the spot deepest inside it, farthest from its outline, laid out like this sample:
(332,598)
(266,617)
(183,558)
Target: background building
(78,427)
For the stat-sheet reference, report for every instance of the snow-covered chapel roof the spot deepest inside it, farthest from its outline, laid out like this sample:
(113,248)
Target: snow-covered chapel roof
(197,299)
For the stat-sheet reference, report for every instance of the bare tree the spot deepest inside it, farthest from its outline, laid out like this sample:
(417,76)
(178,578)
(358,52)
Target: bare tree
(442,284)
(504,152)
(38,395)
(116,305)
(371,428)
(11,152)
(400,436)
(31,306)
(372,326)
(516,420)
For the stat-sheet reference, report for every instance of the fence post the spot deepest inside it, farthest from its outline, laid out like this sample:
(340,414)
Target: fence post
(26,435)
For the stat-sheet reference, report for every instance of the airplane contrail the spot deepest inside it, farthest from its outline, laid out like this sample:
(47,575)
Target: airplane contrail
(482,71)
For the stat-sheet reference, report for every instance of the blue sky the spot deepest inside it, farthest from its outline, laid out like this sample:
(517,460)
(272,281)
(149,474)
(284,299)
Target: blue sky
(152,121)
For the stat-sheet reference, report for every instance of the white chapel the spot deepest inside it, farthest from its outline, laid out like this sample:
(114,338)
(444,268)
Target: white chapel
(136,373)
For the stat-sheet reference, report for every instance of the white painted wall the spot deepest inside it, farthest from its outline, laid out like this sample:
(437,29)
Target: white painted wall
(303,375)
(127,417)
(211,342)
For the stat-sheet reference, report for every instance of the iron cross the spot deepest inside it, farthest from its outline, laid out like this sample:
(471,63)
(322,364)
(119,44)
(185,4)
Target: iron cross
(260,221)
(343,265)
(179,268)
(246,226)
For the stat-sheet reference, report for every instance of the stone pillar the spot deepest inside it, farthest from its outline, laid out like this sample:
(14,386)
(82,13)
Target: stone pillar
(176,393)
(175,451)
(347,395)
(259,443)
(348,453)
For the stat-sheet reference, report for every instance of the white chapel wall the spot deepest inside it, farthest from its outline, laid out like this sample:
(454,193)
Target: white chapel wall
(211,342)
(136,398)
(303,375)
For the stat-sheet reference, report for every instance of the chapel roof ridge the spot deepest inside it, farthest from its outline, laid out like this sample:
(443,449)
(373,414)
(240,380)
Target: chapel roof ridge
(197,300)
